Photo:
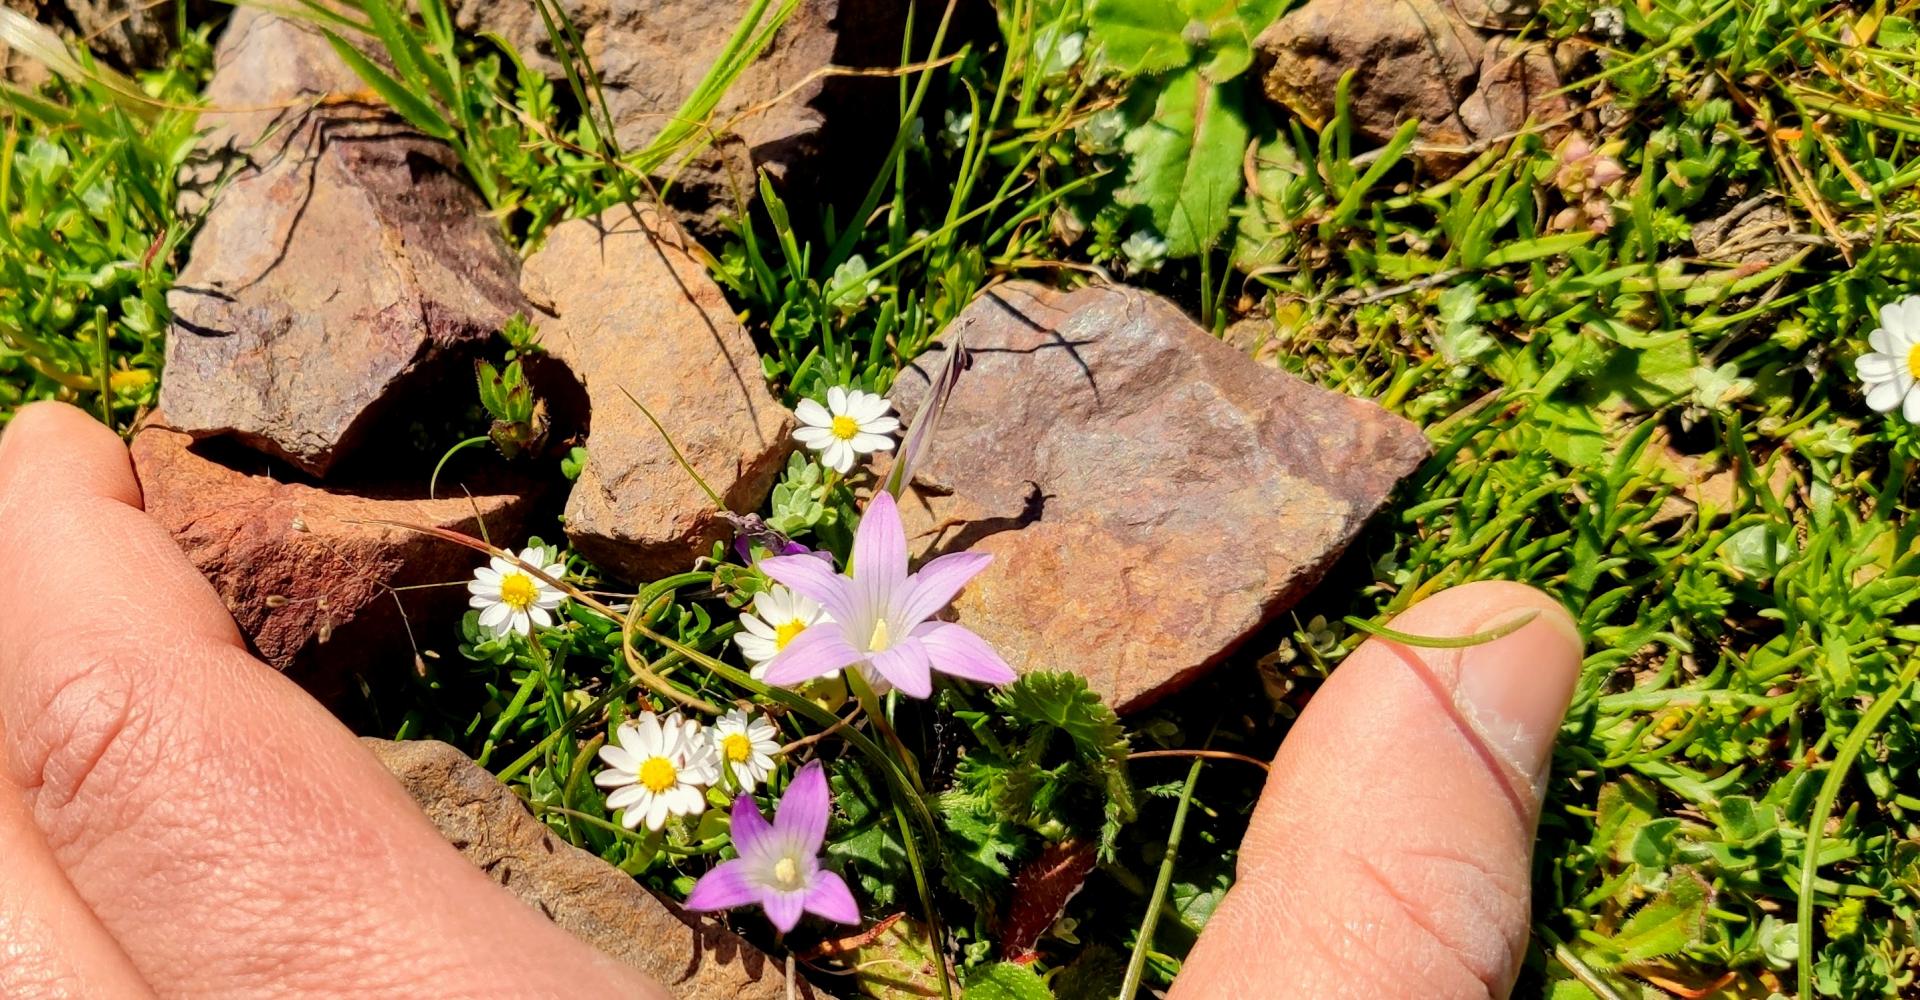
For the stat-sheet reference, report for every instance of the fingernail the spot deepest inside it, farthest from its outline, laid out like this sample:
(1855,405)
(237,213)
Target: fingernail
(1515,689)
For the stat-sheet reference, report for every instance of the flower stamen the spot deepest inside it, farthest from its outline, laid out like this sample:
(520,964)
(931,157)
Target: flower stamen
(882,640)
(786,873)
(659,774)
(737,747)
(787,632)
(845,427)
(518,591)
(1913,362)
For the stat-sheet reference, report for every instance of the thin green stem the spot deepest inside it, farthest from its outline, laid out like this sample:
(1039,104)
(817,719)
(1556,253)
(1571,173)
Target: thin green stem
(1823,808)
(1136,966)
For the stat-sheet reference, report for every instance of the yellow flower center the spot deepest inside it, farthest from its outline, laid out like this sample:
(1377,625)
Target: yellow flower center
(787,632)
(517,591)
(786,873)
(882,639)
(659,774)
(845,427)
(737,747)
(1913,361)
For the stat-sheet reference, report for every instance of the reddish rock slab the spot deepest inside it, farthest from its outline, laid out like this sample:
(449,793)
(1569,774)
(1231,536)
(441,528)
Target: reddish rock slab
(344,266)
(695,957)
(631,312)
(316,603)
(1151,495)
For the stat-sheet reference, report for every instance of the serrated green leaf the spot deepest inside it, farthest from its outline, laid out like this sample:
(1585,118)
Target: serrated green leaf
(1006,981)
(1666,925)
(1184,162)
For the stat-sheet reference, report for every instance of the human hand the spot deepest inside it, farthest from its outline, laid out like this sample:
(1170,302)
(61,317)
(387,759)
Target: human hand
(1389,854)
(178,819)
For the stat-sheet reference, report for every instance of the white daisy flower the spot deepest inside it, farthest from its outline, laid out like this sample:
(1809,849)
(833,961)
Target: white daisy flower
(747,744)
(853,423)
(1892,370)
(511,599)
(658,769)
(778,615)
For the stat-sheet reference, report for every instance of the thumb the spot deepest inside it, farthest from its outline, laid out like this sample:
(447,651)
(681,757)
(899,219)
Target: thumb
(1390,851)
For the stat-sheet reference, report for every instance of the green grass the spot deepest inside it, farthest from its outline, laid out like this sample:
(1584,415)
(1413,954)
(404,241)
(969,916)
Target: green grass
(1734,794)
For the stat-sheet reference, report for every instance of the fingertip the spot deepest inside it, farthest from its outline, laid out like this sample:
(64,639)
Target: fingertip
(1512,690)
(59,448)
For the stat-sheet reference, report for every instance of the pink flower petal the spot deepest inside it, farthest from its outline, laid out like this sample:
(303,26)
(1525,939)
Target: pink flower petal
(906,667)
(815,578)
(959,653)
(830,898)
(880,545)
(784,908)
(749,827)
(935,586)
(804,809)
(817,651)
(723,888)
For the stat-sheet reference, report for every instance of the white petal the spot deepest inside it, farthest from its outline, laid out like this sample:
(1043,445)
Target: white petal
(657,813)
(618,758)
(1881,340)
(496,617)
(838,457)
(487,574)
(884,425)
(1912,408)
(866,443)
(866,406)
(837,400)
(522,624)
(549,599)
(1884,396)
(499,566)
(1874,367)
(481,601)
(626,797)
(541,616)
(814,437)
(813,414)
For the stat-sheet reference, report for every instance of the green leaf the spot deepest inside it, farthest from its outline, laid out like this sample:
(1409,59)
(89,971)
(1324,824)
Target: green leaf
(1063,702)
(1139,36)
(1006,981)
(1666,925)
(417,112)
(1185,162)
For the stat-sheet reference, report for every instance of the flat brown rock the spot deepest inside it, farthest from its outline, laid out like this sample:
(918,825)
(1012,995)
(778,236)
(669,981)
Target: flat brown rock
(1152,496)
(315,604)
(633,314)
(651,54)
(693,956)
(343,267)
(1412,59)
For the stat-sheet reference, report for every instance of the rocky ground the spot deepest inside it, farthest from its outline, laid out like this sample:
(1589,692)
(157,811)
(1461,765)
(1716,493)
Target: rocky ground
(1164,461)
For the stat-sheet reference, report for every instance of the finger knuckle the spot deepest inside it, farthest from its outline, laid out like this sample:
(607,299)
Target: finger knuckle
(86,743)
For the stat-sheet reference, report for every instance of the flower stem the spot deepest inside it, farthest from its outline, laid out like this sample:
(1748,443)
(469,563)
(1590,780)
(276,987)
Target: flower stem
(1144,942)
(1823,808)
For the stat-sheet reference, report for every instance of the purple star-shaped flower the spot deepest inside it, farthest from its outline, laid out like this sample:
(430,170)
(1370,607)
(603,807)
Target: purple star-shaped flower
(880,613)
(779,863)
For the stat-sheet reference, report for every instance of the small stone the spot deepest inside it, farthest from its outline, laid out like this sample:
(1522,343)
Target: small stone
(694,956)
(345,267)
(1416,59)
(305,573)
(1152,495)
(623,303)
